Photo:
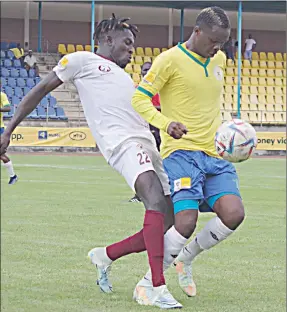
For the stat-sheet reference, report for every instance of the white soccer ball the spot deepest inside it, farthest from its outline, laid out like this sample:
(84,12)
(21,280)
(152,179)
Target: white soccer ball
(235,140)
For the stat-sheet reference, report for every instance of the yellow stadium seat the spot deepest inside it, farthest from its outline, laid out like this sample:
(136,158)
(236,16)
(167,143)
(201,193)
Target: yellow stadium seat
(230,63)
(278,65)
(138,60)
(262,72)
(278,73)
(278,100)
(284,73)
(221,106)
(140,51)
(262,64)
(136,77)
(148,51)
(284,65)
(227,116)
(156,51)
(134,52)
(278,57)
(262,56)
(245,98)
(254,81)
(262,81)
(284,82)
(236,63)
(269,90)
(228,98)
(235,80)
(253,99)
(70,48)
(270,117)
(262,107)
(254,64)
(244,116)
(253,117)
(284,57)
(228,89)
(229,80)
(254,72)
(246,72)
(246,81)
(246,64)
(270,73)
(278,82)
(271,64)
(129,69)
(245,90)
(228,106)
(270,81)
(270,99)
(244,106)
(164,49)
(278,108)
(270,56)
(132,60)
(79,47)
(253,107)
(269,107)
(137,68)
(62,49)
(279,118)
(261,90)
(88,48)
(255,56)
(147,59)
(229,71)
(253,90)
(262,99)
(278,91)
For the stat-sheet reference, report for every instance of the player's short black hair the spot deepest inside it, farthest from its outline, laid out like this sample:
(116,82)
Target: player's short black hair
(113,24)
(213,16)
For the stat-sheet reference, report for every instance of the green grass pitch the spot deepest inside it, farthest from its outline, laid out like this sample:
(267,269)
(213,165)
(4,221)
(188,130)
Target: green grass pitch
(64,205)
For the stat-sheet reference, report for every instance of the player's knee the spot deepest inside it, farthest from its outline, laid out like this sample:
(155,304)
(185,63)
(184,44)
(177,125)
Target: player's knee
(185,222)
(234,217)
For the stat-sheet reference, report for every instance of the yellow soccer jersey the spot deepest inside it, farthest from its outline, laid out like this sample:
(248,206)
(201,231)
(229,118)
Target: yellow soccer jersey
(4,102)
(190,88)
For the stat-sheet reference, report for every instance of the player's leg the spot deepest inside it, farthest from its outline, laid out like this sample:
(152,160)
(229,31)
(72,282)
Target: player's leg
(10,169)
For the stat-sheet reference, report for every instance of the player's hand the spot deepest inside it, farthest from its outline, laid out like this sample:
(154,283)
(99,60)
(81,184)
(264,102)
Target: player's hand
(4,143)
(176,130)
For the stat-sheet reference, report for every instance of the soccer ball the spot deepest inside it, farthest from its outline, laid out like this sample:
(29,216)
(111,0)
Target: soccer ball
(235,140)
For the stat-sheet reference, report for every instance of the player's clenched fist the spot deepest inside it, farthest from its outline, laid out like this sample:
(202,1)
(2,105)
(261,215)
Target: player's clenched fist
(176,130)
(4,143)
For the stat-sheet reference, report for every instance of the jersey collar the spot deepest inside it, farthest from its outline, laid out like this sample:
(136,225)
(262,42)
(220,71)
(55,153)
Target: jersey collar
(195,57)
(106,58)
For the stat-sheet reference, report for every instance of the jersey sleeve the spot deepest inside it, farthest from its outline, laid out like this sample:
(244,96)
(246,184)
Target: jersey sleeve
(4,100)
(158,75)
(69,66)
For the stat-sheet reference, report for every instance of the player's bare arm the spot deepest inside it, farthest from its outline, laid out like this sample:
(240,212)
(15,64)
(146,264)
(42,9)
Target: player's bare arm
(27,105)
(5,109)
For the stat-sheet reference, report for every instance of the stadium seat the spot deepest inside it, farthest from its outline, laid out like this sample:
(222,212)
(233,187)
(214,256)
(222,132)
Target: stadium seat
(88,48)
(7,63)
(137,68)
(140,51)
(129,68)
(262,99)
(253,107)
(254,81)
(246,81)
(32,73)
(228,98)
(15,100)
(246,64)
(21,82)
(269,90)
(132,60)
(41,112)
(270,81)
(12,45)
(278,91)
(253,117)
(254,72)
(3,82)
(278,73)
(229,71)
(70,48)
(52,113)
(278,65)
(8,91)
(230,63)
(37,80)
(165,49)
(18,92)
(10,55)
(278,82)
(261,90)
(279,117)
(228,106)
(245,99)
(14,73)
(254,64)
(253,99)
(33,115)
(244,116)
(245,90)
(270,117)
(229,80)
(262,72)
(228,89)
(156,51)
(23,73)
(60,113)
(30,82)
(271,64)
(262,64)
(79,47)
(226,116)
(138,60)
(246,72)
(44,102)
(255,56)
(270,99)
(236,63)
(4,45)
(147,59)
(17,63)
(270,56)
(52,101)
(12,82)
(278,57)
(26,90)
(148,51)
(253,90)
(136,77)
(2,54)
(262,56)
(62,49)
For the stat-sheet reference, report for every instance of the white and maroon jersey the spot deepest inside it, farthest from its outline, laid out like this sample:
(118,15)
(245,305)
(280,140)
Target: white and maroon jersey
(105,92)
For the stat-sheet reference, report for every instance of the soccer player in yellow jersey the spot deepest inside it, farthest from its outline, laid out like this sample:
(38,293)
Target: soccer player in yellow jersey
(189,79)
(5,107)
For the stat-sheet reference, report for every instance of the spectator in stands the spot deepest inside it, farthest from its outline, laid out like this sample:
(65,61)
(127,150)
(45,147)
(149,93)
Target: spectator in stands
(249,46)
(19,53)
(30,62)
(229,48)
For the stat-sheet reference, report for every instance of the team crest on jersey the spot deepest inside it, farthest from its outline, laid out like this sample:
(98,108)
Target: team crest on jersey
(218,73)
(104,68)
(63,62)
(149,78)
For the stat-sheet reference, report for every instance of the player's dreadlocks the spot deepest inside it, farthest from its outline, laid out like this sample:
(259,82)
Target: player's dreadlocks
(114,23)
(213,16)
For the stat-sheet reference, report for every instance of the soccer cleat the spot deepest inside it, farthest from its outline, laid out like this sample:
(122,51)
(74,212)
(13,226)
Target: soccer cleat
(185,279)
(103,270)
(135,199)
(146,294)
(13,179)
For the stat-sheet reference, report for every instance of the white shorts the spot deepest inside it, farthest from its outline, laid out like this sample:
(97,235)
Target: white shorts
(136,156)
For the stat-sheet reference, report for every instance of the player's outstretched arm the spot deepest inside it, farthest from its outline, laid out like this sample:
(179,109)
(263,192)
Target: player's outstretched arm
(27,105)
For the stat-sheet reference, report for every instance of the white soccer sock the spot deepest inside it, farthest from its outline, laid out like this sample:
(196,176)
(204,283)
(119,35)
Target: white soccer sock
(213,233)
(173,244)
(10,169)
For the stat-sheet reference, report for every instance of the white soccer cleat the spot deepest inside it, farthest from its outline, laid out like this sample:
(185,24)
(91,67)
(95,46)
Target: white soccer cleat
(146,294)
(103,269)
(185,279)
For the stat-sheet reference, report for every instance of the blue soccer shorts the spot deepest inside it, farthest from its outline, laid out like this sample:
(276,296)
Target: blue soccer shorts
(2,130)
(198,180)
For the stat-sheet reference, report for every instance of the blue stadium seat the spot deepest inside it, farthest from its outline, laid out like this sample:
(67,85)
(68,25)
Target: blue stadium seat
(15,100)
(52,113)
(30,82)
(53,101)
(26,90)
(10,54)
(12,45)
(4,46)
(14,73)
(12,82)
(44,102)
(60,113)
(42,112)
(8,91)
(32,73)
(2,55)
(37,80)
(4,72)
(18,92)
(21,82)
(7,63)
(23,73)
(17,63)
(3,82)
(33,114)
(13,108)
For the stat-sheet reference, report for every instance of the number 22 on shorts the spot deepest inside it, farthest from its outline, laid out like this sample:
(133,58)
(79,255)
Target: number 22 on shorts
(143,158)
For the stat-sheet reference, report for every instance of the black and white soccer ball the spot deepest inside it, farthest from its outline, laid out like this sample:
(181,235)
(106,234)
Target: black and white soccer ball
(235,140)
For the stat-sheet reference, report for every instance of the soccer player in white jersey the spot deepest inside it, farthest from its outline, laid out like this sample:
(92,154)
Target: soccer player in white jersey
(125,141)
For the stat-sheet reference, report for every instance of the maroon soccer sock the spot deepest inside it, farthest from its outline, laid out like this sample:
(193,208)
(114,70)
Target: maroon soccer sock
(153,233)
(127,246)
